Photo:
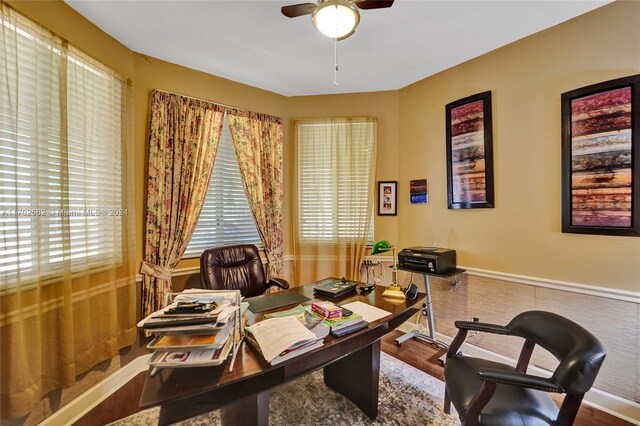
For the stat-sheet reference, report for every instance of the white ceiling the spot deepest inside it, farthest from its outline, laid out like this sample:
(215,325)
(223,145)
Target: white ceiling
(253,43)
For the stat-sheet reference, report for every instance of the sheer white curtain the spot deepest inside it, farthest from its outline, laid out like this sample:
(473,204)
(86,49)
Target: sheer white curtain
(67,278)
(335,179)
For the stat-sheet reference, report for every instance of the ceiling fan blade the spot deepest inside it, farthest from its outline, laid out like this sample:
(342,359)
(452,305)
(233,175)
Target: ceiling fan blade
(298,9)
(374,4)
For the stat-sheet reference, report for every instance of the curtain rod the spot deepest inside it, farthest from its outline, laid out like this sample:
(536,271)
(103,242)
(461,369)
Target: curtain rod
(200,99)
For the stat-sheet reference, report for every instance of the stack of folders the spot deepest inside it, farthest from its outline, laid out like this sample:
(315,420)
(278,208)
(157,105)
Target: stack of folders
(194,330)
(280,339)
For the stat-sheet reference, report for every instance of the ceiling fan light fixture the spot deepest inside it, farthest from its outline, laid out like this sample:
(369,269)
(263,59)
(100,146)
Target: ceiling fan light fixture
(336,18)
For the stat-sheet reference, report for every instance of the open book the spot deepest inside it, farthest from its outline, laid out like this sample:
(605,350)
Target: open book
(307,318)
(279,339)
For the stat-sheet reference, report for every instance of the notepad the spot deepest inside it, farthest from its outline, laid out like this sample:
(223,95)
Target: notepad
(369,313)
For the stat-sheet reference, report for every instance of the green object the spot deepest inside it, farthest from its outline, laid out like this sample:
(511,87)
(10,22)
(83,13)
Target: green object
(381,247)
(293,312)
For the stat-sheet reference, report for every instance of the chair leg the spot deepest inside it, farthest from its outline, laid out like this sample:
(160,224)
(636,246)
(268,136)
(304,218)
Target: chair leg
(447,402)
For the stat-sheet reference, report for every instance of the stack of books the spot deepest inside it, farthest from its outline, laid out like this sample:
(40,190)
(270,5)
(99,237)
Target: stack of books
(345,325)
(195,330)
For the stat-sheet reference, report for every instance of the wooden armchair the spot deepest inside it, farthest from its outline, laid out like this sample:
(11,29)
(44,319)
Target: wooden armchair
(490,393)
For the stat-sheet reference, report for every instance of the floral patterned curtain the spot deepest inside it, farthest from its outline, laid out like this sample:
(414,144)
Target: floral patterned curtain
(183,141)
(258,140)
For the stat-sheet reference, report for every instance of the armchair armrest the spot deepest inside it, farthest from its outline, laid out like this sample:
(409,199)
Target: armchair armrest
(482,326)
(511,377)
(464,327)
(279,282)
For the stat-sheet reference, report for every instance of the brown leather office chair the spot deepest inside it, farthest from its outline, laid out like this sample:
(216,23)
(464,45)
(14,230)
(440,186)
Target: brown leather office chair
(236,268)
(490,393)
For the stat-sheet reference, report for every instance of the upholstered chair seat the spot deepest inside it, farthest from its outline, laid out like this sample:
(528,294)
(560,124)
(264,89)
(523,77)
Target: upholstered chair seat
(236,267)
(460,372)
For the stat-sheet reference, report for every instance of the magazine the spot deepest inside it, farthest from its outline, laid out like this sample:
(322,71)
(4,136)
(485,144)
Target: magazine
(170,342)
(191,358)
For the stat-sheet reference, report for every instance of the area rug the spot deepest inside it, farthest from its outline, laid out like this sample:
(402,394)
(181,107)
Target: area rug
(407,397)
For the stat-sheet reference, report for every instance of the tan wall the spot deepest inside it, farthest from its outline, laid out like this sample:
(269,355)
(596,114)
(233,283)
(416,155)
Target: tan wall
(382,105)
(522,234)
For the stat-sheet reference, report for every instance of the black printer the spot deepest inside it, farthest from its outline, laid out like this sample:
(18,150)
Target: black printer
(431,260)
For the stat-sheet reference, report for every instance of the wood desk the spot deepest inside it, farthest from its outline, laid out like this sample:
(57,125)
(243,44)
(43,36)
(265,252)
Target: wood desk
(351,367)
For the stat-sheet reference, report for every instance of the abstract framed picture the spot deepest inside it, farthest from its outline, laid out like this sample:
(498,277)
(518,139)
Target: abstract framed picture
(418,191)
(387,198)
(470,153)
(601,158)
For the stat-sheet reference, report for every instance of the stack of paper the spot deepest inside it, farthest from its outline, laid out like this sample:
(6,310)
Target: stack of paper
(194,330)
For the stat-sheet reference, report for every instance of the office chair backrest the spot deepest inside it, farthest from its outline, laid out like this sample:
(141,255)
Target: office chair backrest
(580,353)
(233,268)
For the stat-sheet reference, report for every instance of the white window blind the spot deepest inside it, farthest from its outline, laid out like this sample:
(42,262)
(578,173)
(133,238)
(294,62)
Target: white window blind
(226,217)
(60,173)
(334,171)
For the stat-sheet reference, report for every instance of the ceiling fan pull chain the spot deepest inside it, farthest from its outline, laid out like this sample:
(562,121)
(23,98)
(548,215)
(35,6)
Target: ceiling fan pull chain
(335,60)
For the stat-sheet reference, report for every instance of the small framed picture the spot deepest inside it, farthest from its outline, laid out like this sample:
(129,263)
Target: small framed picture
(418,191)
(387,198)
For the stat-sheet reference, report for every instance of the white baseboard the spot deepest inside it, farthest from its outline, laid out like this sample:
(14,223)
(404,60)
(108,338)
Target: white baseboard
(616,406)
(73,411)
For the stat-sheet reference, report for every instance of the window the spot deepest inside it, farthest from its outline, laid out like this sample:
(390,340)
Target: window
(60,169)
(335,163)
(226,217)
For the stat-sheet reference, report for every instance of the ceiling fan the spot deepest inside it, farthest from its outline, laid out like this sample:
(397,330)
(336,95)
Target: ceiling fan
(336,19)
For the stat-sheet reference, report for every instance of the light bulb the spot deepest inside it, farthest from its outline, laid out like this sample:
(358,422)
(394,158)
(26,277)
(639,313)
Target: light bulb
(335,19)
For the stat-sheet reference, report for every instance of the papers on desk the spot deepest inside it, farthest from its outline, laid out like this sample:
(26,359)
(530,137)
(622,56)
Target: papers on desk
(307,318)
(198,328)
(191,358)
(225,307)
(172,342)
(369,313)
(279,339)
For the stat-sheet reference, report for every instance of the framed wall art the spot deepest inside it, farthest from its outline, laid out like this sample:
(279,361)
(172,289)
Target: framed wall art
(387,198)
(601,158)
(418,192)
(470,153)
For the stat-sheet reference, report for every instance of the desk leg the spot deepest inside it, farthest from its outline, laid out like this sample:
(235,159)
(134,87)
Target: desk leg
(431,338)
(356,377)
(249,411)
